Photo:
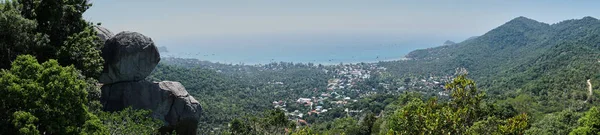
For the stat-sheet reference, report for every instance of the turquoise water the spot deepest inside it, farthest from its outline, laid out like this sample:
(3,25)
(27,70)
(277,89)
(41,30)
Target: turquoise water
(320,55)
(309,49)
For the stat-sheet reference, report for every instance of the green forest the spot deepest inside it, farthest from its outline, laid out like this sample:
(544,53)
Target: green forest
(523,77)
(50,60)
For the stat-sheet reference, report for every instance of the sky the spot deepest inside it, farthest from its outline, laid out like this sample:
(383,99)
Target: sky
(243,24)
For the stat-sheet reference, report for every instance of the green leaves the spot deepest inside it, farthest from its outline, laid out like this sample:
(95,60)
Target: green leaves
(462,115)
(130,122)
(51,96)
(81,50)
(49,29)
(515,125)
(25,123)
(560,123)
(18,35)
(464,92)
(273,122)
(588,124)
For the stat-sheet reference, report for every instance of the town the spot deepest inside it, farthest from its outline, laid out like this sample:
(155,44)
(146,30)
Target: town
(347,85)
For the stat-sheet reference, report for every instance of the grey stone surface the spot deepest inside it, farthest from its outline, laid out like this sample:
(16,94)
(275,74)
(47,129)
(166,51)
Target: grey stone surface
(168,101)
(103,33)
(128,56)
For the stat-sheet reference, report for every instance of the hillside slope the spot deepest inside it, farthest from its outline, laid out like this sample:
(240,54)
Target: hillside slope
(523,57)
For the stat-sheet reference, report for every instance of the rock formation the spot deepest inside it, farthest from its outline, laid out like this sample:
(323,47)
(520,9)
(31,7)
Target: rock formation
(103,33)
(129,58)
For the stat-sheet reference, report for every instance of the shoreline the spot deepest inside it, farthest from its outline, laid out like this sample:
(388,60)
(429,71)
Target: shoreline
(326,63)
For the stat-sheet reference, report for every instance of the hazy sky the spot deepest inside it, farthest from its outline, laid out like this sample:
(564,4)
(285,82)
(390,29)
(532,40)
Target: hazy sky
(232,23)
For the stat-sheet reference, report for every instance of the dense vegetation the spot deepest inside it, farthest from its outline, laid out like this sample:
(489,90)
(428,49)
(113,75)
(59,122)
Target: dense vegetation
(530,71)
(44,97)
(539,69)
(60,95)
(227,96)
(532,78)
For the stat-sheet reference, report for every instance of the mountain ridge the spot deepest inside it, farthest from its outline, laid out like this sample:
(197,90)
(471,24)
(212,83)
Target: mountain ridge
(519,46)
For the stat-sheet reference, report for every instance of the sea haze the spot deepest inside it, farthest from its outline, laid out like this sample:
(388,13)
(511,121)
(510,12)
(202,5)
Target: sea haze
(299,48)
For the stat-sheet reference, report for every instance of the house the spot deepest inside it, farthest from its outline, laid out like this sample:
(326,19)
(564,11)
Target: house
(356,73)
(303,100)
(318,108)
(296,113)
(279,104)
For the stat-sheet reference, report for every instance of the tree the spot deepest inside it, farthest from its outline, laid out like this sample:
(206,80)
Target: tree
(304,131)
(25,122)
(588,124)
(18,35)
(461,115)
(81,50)
(46,95)
(515,125)
(58,19)
(276,122)
(494,126)
(130,122)
(465,96)
(238,127)
(50,29)
(367,124)
(488,126)
(559,123)
(346,125)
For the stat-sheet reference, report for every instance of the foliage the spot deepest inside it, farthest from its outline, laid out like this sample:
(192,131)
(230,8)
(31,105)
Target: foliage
(273,122)
(237,127)
(18,35)
(515,125)
(559,123)
(304,131)
(47,95)
(58,19)
(460,116)
(25,122)
(50,29)
(588,124)
(250,87)
(534,67)
(130,121)
(81,50)
(487,126)
(47,98)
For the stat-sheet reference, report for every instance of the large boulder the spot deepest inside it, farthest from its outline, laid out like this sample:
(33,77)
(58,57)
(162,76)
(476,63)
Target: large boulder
(103,33)
(168,101)
(128,56)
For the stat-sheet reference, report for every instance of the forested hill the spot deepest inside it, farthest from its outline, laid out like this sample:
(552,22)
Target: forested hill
(523,57)
(531,72)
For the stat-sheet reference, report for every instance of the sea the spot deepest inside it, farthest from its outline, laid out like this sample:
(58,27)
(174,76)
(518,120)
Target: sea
(326,50)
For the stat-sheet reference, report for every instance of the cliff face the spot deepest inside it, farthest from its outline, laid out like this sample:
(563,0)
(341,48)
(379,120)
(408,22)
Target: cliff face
(130,57)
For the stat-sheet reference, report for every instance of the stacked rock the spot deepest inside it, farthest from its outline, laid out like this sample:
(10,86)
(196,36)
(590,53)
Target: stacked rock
(129,58)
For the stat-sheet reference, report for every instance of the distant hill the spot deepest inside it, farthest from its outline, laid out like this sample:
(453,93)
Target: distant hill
(549,62)
(470,38)
(448,42)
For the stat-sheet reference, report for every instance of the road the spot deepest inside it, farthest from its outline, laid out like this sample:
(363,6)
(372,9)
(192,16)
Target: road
(590,92)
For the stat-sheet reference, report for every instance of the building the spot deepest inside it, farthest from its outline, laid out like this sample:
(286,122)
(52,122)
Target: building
(303,100)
